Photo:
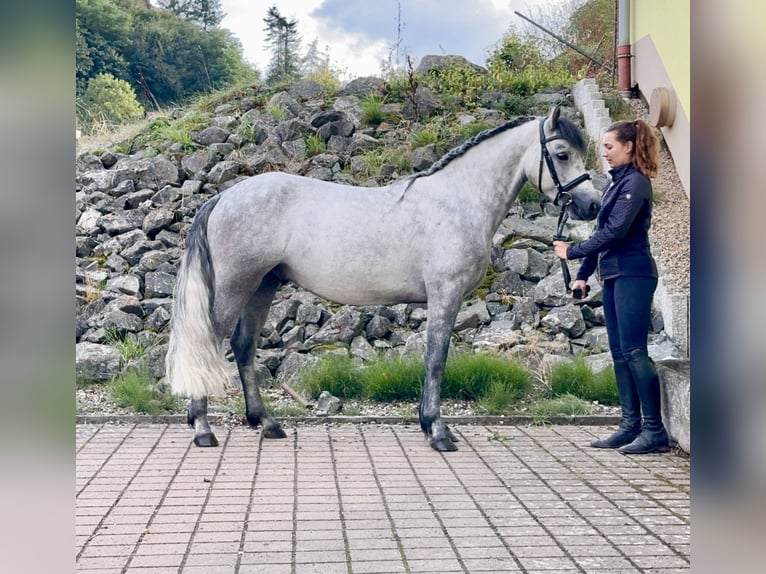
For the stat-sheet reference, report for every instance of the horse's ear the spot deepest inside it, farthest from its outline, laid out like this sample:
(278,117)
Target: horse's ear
(555,114)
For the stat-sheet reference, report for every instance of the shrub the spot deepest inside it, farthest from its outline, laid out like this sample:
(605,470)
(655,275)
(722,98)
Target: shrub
(516,105)
(604,388)
(464,83)
(469,130)
(112,97)
(325,78)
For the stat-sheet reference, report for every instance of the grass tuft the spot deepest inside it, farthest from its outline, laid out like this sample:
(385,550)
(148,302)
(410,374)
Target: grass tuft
(138,391)
(373,113)
(568,405)
(315,145)
(472,375)
(336,374)
(577,378)
(397,379)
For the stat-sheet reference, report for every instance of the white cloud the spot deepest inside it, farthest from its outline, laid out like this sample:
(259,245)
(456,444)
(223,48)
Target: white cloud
(360,35)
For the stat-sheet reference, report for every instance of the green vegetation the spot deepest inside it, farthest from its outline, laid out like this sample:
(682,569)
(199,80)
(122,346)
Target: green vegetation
(138,391)
(577,378)
(315,145)
(497,385)
(162,130)
(470,375)
(565,405)
(336,374)
(529,194)
(112,99)
(423,138)
(378,157)
(373,113)
(483,290)
(618,108)
(128,346)
(167,57)
(278,112)
(397,379)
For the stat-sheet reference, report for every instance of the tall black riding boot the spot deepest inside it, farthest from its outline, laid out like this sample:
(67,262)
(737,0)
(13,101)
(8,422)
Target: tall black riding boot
(630,423)
(653,436)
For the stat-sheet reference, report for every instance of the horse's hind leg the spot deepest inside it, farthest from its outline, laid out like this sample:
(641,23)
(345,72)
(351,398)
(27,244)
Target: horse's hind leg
(244,342)
(196,416)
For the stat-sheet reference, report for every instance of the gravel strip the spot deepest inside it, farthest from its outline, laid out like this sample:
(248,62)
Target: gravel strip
(670,230)
(94,401)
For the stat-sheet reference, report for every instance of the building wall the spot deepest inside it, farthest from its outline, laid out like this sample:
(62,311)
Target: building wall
(660,38)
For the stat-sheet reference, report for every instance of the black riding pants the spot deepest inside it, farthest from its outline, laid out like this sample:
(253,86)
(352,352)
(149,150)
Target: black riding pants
(627,309)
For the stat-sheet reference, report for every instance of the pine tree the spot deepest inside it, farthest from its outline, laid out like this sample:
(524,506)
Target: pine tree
(205,13)
(284,42)
(312,61)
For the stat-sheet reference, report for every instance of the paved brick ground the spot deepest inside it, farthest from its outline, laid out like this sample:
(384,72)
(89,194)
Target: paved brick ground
(370,498)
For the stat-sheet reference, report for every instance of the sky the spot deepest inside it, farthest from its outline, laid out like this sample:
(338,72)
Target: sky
(359,34)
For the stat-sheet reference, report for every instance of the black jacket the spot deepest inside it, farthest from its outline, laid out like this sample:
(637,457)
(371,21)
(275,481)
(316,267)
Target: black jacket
(620,244)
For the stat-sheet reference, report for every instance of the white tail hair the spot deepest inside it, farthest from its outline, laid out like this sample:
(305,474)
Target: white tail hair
(194,364)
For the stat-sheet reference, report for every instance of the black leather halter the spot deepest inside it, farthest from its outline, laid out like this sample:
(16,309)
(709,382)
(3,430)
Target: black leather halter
(562,192)
(545,156)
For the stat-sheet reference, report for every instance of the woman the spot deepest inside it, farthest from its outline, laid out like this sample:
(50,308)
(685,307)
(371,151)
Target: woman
(620,249)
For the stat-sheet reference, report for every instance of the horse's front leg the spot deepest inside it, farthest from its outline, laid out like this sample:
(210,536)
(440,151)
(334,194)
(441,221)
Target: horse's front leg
(442,312)
(243,342)
(196,416)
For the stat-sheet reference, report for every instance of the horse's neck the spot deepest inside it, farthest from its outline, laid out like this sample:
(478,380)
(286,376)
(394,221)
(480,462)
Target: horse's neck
(489,176)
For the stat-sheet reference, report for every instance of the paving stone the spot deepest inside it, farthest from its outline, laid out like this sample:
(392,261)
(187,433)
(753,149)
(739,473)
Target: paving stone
(375,499)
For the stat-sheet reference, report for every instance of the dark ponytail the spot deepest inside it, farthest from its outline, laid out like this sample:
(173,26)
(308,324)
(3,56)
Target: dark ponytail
(646,144)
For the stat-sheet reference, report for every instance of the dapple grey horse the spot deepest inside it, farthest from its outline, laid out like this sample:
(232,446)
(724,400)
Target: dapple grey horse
(425,238)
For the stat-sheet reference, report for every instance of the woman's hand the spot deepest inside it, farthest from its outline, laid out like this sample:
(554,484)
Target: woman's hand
(582,285)
(560,247)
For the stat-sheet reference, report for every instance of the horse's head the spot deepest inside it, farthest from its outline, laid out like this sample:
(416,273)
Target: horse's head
(560,170)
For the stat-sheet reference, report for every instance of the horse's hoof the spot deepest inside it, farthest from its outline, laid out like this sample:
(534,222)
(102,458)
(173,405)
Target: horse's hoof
(451,436)
(206,440)
(443,444)
(274,432)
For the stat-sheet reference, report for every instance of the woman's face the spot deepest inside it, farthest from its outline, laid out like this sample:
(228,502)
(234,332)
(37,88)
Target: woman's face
(616,152)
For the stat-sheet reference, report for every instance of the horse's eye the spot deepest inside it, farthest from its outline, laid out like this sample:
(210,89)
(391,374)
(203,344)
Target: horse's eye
(563,156)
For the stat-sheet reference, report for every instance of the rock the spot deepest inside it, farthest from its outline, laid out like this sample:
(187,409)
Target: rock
(94,362)
(211,135)
(439,63)
(326,405)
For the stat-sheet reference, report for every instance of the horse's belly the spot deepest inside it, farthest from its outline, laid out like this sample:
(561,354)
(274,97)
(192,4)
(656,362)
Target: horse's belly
(354,286)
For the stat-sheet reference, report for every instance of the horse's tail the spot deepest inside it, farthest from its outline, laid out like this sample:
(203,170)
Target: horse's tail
(194,364)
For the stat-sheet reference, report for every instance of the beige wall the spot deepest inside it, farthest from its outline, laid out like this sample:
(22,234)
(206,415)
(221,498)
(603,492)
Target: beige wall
(660,32)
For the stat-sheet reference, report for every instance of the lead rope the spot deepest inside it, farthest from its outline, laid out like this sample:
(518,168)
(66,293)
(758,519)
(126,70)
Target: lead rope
(563,216)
